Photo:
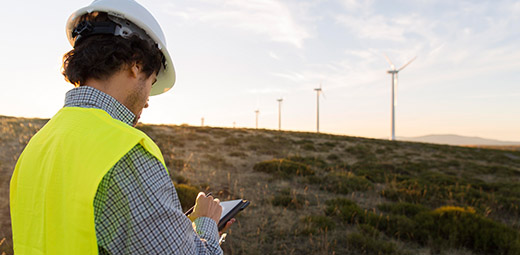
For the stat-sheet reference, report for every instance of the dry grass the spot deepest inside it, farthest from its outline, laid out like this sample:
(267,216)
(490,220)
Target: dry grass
(222,161)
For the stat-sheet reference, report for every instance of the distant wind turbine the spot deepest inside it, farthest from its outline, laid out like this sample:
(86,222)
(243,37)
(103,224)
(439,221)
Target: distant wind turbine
(280,113)
(257,112)
(394,73)
(318,92)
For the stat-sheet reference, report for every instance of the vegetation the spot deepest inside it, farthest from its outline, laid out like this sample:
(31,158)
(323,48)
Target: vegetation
(283,168)
(326,194)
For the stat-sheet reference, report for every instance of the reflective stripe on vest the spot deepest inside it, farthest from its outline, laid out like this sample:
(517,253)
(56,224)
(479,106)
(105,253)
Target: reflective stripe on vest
(56,178)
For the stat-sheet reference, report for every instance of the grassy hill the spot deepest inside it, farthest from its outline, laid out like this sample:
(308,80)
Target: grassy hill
(327,194)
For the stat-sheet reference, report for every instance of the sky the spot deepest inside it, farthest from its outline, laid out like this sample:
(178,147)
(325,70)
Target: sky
(233,57)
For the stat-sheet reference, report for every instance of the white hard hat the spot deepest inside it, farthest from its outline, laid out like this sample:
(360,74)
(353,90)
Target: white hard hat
(137,14)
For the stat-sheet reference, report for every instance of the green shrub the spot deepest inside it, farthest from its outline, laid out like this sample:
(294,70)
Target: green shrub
(187,195)
(462,227)
(397,226)
(286,199)
(333,157)
(347,210)
(232,141)
(266,145)
(440,179)
(283,167)
(311,161)
(314,223)
(361,151)
(368,230)
(309,147)
(343,183)
(329,144)
(381,172)
(402,208)
(238,154)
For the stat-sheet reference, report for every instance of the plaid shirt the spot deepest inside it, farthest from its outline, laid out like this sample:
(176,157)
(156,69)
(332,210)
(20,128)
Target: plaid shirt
(136,207)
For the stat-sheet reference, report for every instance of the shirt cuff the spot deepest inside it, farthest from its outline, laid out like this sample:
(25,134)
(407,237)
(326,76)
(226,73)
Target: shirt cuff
(207,229)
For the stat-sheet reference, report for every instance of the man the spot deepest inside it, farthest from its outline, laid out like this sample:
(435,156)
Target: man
(89,182)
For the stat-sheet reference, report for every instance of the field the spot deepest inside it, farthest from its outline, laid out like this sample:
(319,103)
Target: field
(327,194)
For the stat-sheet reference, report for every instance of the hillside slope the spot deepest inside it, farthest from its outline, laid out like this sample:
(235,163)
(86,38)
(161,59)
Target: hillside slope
(327,194)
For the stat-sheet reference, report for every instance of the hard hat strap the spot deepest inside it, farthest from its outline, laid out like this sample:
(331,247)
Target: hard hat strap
(87,28)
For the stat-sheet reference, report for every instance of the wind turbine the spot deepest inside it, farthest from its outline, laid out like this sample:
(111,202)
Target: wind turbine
(279,113)
(257,112)
(318,92)
(394,73)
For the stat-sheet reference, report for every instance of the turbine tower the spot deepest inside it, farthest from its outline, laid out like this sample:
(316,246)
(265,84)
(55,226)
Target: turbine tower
(280,113)
(257,112)
(318,92)
(394,73)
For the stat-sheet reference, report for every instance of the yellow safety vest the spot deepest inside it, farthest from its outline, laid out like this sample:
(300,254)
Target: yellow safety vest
(57,176)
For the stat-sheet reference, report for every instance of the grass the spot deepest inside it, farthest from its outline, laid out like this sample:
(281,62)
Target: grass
(326,194)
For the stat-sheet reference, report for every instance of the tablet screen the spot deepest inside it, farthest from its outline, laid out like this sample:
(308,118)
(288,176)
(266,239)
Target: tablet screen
(227,206)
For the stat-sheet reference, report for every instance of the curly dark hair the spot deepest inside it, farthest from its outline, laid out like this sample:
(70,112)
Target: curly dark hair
(100,56)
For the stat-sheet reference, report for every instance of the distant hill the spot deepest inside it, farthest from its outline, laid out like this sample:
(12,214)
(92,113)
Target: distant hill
(457,140)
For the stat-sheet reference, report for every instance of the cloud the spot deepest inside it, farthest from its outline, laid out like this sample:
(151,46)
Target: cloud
(291,76)
(270,18)
(373,27)
(273,55)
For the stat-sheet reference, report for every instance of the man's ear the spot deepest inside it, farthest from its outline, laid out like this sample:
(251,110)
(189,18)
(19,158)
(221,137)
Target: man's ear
(134,69)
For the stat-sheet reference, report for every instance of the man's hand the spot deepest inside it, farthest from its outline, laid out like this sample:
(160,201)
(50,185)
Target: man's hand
(206,207)
(228,225)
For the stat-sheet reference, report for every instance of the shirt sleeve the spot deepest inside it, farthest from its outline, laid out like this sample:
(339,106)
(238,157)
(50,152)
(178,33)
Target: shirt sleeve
(137,211)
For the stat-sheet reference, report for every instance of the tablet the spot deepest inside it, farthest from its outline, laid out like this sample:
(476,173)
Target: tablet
(230,209)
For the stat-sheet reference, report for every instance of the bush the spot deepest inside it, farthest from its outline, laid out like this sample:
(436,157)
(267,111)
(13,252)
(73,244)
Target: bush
(309,147)
(187,195)
(368,230)
(231,141)
(448,226)
(380,172)
(343,183)
(238,154)
(283,167)
(315,223)
(311,161)
(403,208)
(347,210)
(333,157)
(286,199)
(361,151)
(462,227)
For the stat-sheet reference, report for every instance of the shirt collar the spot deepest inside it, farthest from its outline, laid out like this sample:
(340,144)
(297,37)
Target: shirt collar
(89,97)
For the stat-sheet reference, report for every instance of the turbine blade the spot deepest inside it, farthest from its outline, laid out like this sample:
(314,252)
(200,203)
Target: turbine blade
(409,62)
(390,62)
